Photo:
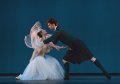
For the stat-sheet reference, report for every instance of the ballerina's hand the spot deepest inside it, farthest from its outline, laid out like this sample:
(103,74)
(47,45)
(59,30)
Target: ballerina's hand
(59,47)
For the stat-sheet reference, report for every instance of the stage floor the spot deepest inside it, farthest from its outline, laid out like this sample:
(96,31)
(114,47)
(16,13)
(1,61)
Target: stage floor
(73,80)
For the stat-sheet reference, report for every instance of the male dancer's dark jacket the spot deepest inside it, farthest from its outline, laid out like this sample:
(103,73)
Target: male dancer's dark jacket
(79,51)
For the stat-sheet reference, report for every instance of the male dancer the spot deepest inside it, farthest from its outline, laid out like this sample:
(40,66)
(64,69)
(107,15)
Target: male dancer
(77,52)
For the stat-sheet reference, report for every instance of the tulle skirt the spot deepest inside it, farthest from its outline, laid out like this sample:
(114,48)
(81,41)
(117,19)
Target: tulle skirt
(43,68)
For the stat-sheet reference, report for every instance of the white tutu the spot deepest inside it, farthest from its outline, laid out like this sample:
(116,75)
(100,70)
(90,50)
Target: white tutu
(43,68)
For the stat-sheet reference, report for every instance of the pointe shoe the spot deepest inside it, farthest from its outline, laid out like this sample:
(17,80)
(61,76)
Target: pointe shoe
(17,78)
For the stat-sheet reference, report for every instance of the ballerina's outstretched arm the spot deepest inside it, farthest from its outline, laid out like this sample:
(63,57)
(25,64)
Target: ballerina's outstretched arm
(55,46)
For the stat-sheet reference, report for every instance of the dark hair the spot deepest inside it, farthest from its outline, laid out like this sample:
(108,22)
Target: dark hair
(53,21)
(39,34)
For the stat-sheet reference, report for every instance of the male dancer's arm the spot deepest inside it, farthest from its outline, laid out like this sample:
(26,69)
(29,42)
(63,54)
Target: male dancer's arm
(53,38)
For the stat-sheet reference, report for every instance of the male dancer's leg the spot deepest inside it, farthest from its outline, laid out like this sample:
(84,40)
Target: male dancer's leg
(98,64)
(66,66)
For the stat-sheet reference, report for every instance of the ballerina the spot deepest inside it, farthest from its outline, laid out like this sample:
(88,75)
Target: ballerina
(41,65)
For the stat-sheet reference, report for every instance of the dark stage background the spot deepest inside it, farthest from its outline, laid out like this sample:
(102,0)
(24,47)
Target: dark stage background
(96,22)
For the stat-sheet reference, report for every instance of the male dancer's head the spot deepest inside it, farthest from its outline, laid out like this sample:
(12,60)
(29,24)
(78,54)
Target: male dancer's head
(52,24)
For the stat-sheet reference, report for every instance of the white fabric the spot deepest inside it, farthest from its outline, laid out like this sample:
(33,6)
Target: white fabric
(29,40)
(41,68)
(35,42)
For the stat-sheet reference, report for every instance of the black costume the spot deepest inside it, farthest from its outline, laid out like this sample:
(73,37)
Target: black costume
(78,53)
